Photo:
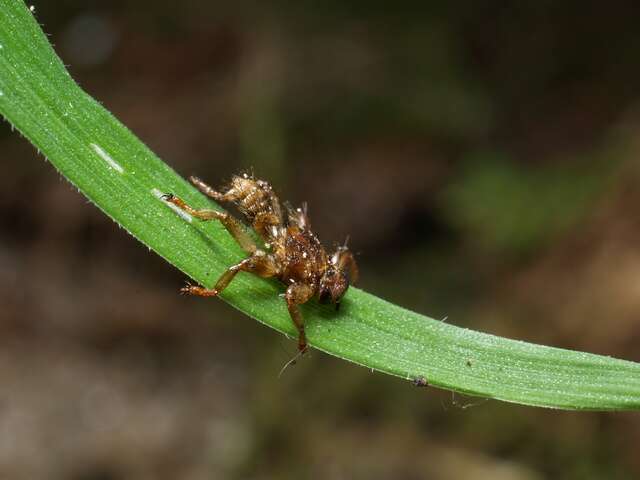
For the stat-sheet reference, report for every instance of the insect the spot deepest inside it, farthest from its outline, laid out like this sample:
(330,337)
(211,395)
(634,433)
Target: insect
(420,382)
(291,251)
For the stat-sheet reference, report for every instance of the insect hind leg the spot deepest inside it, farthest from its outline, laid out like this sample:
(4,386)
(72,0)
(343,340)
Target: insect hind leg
(261,265)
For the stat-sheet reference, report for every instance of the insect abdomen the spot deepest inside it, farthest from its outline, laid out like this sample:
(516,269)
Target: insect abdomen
(256,201)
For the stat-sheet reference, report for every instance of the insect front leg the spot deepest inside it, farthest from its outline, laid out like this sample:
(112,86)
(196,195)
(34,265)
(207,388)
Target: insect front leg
(258,264)
(230,195)
(233,226)
(297,294)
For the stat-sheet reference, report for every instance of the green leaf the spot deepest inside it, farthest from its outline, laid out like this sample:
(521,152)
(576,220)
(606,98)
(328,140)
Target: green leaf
(109,165)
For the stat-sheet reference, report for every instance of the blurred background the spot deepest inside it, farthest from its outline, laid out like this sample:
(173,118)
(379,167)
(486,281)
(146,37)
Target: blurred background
(483,157)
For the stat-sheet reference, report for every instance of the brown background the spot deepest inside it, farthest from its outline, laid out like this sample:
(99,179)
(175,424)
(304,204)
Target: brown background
(483,159)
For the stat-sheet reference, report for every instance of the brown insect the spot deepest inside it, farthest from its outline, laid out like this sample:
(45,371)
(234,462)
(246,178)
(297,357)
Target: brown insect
(292,253)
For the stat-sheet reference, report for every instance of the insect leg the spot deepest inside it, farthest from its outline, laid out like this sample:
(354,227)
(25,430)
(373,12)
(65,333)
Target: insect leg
(233,226)
(259,264)
(265,222)
(297,294)
(230,196)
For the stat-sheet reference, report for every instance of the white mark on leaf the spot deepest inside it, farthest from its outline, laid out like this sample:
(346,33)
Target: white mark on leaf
(105,156)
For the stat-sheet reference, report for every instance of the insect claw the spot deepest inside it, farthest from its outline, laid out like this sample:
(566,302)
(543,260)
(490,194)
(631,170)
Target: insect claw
(189,289)
(167,196)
